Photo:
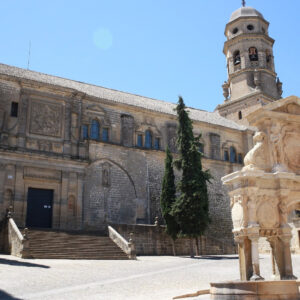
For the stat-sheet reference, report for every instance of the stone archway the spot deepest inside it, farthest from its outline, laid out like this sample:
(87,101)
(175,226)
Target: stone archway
(110,195)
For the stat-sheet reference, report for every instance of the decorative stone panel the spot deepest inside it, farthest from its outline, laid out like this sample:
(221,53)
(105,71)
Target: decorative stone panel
(45,118)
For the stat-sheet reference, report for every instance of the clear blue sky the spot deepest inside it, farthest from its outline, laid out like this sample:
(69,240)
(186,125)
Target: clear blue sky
(155,48)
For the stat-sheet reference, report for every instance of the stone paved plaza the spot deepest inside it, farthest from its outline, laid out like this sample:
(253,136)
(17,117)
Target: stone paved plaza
(147,278)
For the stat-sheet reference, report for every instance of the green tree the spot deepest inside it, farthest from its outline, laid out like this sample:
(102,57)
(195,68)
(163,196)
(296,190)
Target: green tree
(168,196)
(191,206)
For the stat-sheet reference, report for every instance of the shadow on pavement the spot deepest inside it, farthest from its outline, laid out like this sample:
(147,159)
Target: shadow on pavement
(6,296)
(21,264)
(212,257)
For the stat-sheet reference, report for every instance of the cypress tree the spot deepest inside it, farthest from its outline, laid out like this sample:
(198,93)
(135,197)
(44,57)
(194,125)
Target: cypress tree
(168,196)
(191,206)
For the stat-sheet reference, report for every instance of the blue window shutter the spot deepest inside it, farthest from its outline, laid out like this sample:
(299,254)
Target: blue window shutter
(148,139)
(105,134)
(140,140)
(95,130)
(85,133)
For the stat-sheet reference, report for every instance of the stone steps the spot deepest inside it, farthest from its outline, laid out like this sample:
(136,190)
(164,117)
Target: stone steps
(72,245)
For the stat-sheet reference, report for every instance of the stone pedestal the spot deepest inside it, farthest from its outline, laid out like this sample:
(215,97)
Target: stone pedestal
(267,189)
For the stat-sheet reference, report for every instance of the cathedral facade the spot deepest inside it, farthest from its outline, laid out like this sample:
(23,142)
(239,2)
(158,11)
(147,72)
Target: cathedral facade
(77,156)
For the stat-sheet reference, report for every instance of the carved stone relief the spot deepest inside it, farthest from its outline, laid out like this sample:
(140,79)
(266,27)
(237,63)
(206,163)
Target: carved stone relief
(267,213)
(45,119)
(291,149)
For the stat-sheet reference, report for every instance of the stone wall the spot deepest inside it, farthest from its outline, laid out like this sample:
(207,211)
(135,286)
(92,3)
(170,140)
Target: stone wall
(152,240)
(96,181)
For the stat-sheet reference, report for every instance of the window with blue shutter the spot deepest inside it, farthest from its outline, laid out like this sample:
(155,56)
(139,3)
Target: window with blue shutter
(95,130)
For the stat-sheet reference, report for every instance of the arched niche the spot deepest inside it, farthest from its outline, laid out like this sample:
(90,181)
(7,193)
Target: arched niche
(110,194)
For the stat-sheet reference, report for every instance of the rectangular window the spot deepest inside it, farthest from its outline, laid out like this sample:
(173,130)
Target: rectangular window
(105,134)
(14,109)
(157,143)
(140,140)
(85,131)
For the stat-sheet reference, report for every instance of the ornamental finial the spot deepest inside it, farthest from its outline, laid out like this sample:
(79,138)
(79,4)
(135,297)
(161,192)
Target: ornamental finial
(243,3)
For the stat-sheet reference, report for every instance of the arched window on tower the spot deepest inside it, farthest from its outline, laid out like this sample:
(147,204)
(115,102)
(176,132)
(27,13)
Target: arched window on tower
(236,58)
(253,56)
(148,139)
(95,129)
(240,115)
(232,154)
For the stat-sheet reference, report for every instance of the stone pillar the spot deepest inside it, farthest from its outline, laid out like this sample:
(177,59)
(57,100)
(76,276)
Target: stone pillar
(79,220)
(20,199)
(287,258)
(67,126)
(2,190)
(64,200)
(276,257)
(22,120)
(255,258)
(245,260)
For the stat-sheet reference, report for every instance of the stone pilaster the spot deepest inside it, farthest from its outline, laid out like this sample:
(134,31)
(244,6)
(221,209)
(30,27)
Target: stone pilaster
(254,237)
(22,120)
(64,200)
(19,199)
(79,214)
(287,258)
(245,260)
(67,132)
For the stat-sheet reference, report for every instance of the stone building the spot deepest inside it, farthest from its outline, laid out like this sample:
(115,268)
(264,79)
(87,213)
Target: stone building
(78,156)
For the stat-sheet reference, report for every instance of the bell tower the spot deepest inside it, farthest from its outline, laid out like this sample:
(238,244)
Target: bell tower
(252,80)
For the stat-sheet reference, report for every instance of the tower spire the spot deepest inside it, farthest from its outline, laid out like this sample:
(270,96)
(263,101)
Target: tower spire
(243,3)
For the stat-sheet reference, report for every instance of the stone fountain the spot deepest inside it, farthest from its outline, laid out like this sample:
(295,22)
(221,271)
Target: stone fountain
(262,195)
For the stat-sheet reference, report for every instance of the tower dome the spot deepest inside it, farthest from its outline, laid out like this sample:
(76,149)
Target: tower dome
(245,12)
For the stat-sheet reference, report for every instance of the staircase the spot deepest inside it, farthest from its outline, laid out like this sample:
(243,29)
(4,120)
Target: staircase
(72,245)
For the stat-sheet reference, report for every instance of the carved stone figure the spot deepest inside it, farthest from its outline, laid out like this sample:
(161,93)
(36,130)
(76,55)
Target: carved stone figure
(257,157)
(225,87)
(106,175)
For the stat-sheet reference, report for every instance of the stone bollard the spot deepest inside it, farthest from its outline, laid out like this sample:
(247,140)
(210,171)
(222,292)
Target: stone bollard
(132,252)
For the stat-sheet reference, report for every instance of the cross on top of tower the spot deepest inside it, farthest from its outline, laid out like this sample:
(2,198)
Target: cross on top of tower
(243,3)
